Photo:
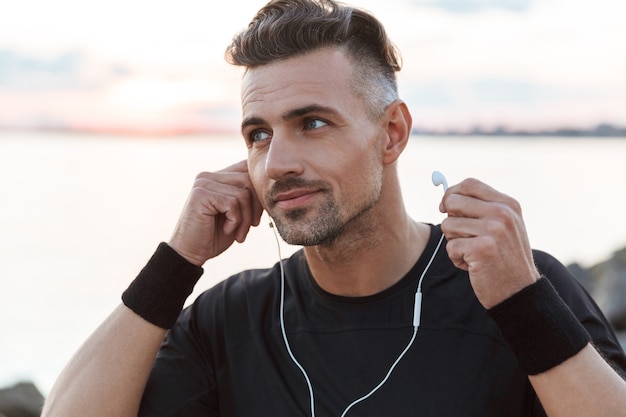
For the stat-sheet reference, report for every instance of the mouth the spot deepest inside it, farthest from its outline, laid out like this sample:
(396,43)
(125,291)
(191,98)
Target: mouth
(294,193)
(294,199)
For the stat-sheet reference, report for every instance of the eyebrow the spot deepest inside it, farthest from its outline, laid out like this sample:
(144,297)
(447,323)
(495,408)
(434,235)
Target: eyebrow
(289,115)
(312,108)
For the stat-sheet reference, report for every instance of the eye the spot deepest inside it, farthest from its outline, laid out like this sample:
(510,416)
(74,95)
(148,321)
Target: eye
(311,124)
(258,136)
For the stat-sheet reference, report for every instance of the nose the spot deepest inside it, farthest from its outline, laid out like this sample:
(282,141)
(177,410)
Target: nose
(283,157)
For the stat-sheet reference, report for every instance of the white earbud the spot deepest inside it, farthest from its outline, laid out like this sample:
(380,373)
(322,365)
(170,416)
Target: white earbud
(440,179)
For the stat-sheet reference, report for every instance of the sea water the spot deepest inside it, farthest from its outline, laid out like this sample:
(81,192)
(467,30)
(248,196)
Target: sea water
(80,215)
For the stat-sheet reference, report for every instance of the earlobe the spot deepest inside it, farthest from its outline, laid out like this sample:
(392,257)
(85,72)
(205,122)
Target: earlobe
(398,124)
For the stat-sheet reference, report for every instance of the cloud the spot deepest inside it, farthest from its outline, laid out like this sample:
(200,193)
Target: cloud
(68,70)
(479,91)
(494,91)
(516,102)
(502,60)
(472,6)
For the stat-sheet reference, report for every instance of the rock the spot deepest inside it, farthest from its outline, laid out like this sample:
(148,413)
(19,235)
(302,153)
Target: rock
(606,282)
(21,400)
(582,275)
(609,289)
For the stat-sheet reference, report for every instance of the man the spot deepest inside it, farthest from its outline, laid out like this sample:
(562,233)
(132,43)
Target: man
(333,330)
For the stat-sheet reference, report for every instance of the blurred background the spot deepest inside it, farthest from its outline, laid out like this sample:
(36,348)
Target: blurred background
(156,66)
(108,110)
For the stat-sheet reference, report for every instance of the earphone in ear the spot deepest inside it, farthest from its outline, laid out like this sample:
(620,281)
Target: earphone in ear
(439,179)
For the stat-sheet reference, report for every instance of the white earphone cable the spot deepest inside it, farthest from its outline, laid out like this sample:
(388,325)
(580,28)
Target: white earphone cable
(417,310)
(282,322)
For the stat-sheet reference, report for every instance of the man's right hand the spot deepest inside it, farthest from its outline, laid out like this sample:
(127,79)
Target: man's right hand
(220,209)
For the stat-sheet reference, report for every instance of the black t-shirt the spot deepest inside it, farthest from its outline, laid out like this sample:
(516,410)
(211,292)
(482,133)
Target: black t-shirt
(226,355)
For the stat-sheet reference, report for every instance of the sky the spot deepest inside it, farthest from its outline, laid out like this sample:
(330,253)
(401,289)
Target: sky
(154,66)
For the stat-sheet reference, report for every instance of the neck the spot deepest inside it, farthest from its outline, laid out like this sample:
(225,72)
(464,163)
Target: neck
(371,255)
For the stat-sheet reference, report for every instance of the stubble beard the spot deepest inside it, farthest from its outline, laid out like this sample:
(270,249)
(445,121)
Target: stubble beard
(328,224)
(296,229)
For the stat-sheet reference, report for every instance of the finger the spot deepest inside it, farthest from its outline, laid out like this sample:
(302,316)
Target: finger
(460,227)
(504,209)
(237,207)
(456,254)
(475,189)
(233,178)
(241,166)
(460,205)
(215,202)
(257,206)
(472,187)
(245,209)
(218,199)
(257,210)
(506,231)
(470,253)
(252,209)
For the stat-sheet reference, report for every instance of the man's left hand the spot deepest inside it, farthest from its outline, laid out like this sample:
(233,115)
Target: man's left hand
(487,237)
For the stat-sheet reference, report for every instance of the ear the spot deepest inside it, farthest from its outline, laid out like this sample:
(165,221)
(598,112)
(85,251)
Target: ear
(398,124)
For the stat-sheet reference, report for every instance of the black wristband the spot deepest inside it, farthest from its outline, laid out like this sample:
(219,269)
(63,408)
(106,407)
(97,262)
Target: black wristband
(161,288)
(539,327)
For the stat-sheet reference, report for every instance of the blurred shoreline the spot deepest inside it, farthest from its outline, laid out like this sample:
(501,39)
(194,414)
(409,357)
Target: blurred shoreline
(602,130)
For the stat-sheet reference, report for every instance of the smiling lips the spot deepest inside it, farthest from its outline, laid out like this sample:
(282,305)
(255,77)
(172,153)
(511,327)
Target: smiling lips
(294,199)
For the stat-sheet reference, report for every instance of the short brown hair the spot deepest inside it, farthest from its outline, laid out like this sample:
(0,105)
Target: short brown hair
(289,28)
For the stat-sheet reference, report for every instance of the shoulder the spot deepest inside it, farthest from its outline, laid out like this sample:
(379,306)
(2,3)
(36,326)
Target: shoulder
(566,285)
(561,278)
(582,305)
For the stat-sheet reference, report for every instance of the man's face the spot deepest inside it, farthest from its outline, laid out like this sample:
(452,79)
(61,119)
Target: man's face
(313,154)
